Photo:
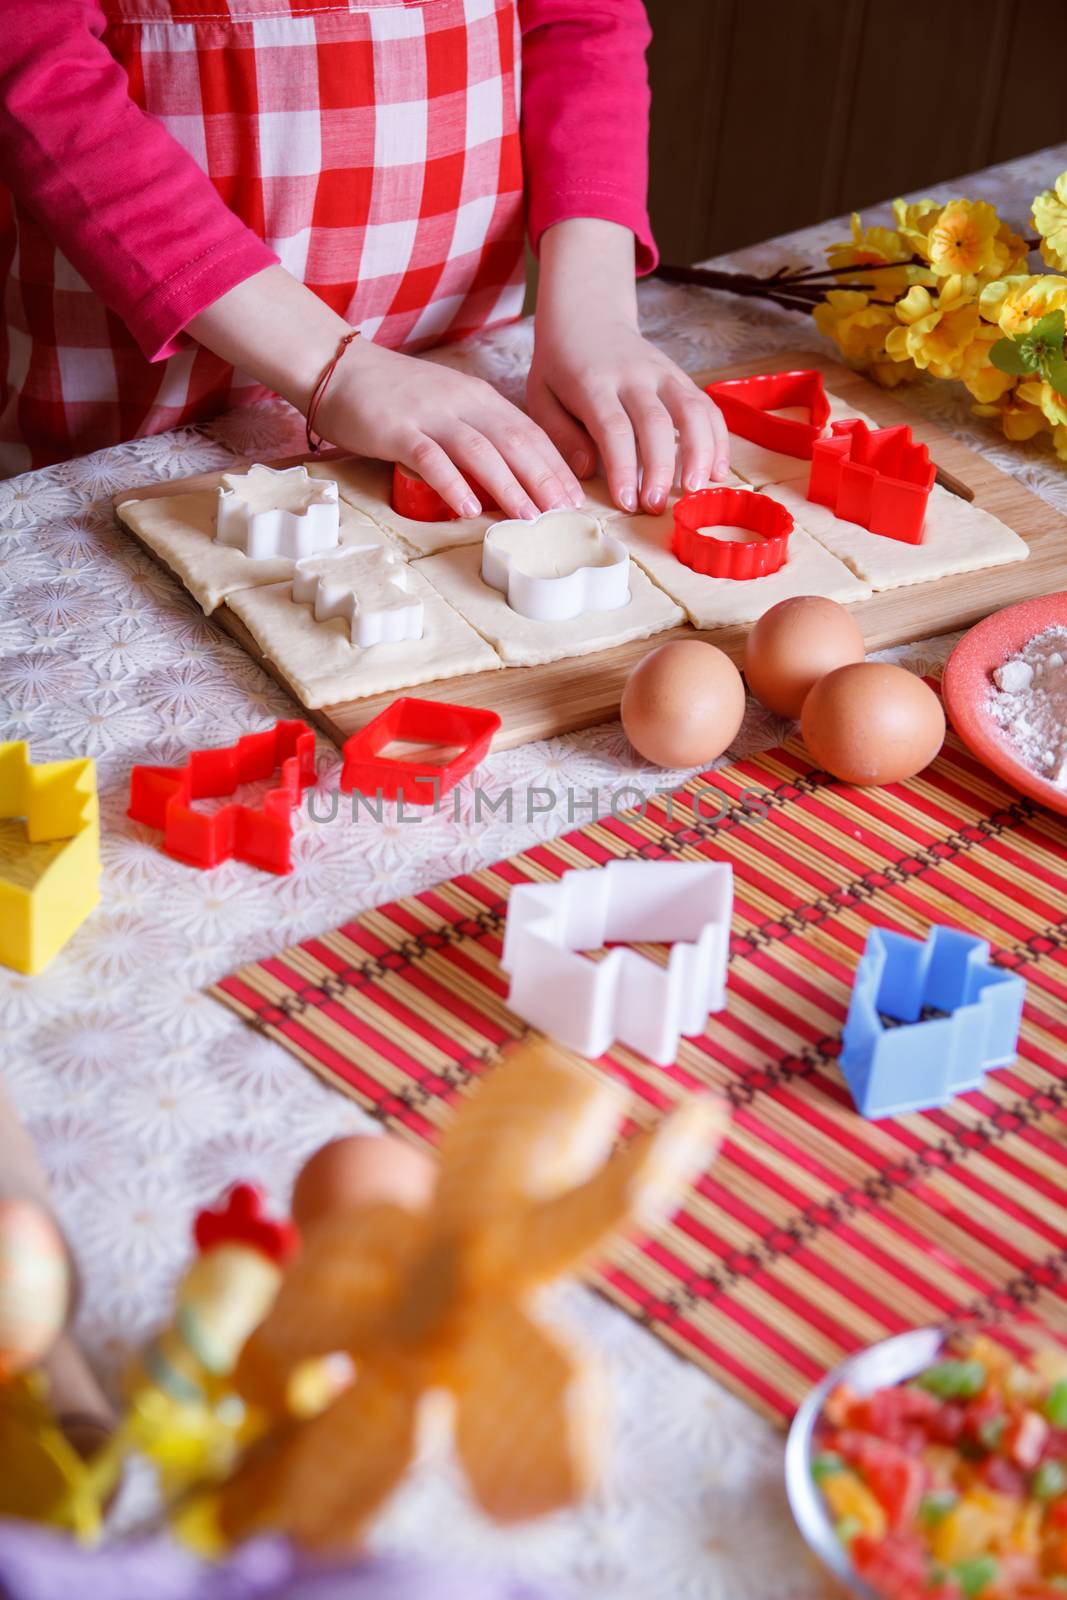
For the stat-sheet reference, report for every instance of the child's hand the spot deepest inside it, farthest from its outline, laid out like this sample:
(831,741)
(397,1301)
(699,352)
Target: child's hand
(596,386)
(447,426)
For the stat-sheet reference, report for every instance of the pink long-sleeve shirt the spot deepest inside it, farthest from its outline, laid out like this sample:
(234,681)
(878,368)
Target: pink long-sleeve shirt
(150,232)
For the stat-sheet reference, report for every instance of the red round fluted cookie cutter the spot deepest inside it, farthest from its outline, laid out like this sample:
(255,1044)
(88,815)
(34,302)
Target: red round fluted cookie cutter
(731,508)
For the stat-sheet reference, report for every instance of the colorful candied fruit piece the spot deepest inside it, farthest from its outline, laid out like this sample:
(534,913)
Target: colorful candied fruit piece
(851,1501)
(896,1479)
(896,1566)
(954,1380)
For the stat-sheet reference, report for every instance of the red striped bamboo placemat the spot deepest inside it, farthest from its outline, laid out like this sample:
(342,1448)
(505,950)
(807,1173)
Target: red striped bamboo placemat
(815,1232)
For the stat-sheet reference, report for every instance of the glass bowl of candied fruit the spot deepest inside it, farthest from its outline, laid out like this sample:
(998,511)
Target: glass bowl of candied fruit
(933,1466)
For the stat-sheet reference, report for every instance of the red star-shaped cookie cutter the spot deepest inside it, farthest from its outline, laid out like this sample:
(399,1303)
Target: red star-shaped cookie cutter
(161,797)
(242,1219)
(731,508)
(747,403)
(429,722)
(877,477)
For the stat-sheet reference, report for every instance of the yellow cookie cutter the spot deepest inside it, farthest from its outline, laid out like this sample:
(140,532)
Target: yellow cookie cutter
(57,801)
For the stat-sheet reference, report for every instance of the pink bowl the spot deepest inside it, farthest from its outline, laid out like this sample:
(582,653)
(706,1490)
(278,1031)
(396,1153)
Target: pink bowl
(968,680)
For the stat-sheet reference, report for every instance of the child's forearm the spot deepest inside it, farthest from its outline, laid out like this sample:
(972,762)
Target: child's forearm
(584,259)
(276,330)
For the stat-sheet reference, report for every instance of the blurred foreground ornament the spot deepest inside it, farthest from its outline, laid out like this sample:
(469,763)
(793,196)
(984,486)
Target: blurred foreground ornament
(441,1299)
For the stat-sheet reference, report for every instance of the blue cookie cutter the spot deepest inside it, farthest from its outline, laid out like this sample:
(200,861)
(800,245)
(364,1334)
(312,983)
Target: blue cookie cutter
(926,1021)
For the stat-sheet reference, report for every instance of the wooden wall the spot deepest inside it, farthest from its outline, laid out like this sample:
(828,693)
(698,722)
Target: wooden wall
(768,115)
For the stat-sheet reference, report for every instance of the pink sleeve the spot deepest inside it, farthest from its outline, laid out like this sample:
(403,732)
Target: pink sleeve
(128,207)
(585,106)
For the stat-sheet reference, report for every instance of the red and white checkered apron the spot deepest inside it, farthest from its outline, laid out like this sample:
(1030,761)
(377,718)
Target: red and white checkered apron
(373,145)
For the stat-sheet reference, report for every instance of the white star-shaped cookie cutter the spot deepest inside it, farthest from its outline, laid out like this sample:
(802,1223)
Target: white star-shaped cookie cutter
(369,589)
(586,1004)
(557,597)
(265,532)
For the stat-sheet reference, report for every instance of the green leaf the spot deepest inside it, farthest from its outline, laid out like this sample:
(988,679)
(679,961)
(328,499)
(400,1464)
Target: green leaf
(1007,355)
(1049,331)
(1054,371)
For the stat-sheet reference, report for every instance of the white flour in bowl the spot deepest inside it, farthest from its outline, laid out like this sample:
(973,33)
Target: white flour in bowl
(1030,704)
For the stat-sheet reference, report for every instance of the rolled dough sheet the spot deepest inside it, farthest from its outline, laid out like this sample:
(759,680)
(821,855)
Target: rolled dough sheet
(959,537)
(714,602)
(522,642)
(759,466)
(324,667)
(180,528)
(367,485)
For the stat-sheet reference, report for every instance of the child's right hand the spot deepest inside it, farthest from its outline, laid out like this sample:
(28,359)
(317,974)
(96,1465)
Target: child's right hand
(450,428)
(444,425)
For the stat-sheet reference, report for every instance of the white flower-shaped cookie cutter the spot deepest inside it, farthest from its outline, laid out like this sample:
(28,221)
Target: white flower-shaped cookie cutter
(248,518)
(586,1004)
(600,586)
(368,589)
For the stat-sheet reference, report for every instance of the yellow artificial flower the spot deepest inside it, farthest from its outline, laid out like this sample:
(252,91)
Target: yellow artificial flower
(985,381)
(914,223)
(890,373)
(1048,401)
(1015,304)
(1050,220)
(935,331)
(857,326)
(876,247)
(1019,420)
(1010,253)
(963,239)
(1059,439)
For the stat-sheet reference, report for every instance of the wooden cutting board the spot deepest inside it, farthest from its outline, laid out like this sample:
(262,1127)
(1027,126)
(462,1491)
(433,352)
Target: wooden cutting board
(537,702)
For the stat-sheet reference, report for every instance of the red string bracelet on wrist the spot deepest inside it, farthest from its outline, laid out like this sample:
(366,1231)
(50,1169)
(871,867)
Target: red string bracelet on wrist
(319,390)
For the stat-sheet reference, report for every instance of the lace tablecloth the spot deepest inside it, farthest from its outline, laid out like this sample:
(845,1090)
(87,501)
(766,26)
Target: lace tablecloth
(146,1099)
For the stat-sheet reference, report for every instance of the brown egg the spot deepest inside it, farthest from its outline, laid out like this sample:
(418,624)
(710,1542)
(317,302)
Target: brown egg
(796,643)
(872,723)
(683,703)
(365,1169)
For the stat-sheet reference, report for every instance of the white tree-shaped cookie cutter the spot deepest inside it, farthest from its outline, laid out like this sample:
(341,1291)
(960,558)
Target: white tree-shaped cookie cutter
(555,598)
(586,1004)
(369,589)
(267,532)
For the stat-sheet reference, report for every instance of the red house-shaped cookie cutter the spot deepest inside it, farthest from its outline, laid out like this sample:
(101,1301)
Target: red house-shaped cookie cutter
(879,478)
(747,403)
(161,797)
(431,722)
(413,497)
(731,508)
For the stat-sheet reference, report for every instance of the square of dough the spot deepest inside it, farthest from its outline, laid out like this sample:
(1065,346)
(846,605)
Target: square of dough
(959,537)
(180,528)
(367,485)
(714,602)
(759,466)
(323,665)
(522,642)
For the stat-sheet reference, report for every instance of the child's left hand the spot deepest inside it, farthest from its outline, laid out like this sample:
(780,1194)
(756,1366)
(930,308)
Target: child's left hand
(597,387)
